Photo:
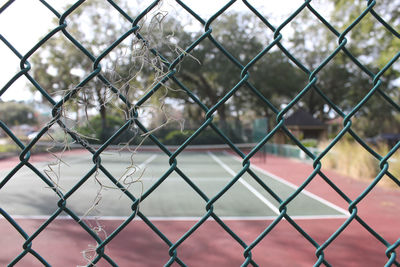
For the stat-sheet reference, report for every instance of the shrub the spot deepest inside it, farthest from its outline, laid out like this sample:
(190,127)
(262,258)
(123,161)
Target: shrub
(351,159)
(177,137)
(94,132)
(6,148)
(309,142)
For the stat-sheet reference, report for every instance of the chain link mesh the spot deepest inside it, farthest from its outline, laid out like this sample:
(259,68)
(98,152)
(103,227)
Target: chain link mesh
(209,201)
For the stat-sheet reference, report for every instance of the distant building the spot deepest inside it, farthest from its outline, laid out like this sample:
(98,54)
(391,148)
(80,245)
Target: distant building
(391,139)
(335,126)
(303,126)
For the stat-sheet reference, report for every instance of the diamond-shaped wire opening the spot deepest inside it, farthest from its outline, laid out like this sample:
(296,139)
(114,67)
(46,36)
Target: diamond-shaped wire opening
(305,32)
(87,23)
(145,241)
(354,161)
(98,195)
(33,31)
(14,240)
(20,192)
(13,63)
(244,30)
(210,93)
(190,203)
(198,243)
(279,90)
(342,94)
(346,242)
(371,210)
(19,89)
(162,33)
(205,14)
(251,206)
(198,74)
(80,246)
(376,106)
(359,43)
(392,178)
(96,113)
(63,166)
(269,251)
(22,120)
(48,64)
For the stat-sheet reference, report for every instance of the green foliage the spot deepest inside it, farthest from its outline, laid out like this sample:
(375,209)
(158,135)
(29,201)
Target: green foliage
(385,44)
(6,148)
(177,137)
(356,162)
(210,75)
(96,133)
(15,113)
(341,80)
(209,137)
(310,142)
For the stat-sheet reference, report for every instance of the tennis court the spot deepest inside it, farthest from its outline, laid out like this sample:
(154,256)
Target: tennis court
(171,203)
(173,197)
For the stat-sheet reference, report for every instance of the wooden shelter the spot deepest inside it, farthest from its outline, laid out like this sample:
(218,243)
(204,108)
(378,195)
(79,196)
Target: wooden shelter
(304,126)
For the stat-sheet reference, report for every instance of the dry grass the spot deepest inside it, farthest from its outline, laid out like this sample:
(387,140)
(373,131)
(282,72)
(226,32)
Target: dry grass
(351,159)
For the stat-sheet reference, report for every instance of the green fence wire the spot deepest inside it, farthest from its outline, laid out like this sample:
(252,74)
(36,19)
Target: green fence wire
(243,84)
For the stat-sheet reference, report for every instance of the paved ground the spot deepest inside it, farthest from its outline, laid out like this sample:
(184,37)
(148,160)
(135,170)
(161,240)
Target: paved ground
(25,194)
(210,245)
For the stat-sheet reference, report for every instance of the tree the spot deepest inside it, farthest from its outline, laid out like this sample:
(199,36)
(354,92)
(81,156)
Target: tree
(133,69)
(130,67)
(60,66)
(210,75)
(341,80)
(374,45)
(370,38)
(17,113)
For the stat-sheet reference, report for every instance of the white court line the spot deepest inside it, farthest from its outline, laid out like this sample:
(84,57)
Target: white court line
(295,187)
(41,166)
(247,185)
(245,218)
(174,218)
(24,171)
(141,167)
(173,179)
(147,161)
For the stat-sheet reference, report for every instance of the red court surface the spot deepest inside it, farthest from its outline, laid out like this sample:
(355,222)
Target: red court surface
(63,241)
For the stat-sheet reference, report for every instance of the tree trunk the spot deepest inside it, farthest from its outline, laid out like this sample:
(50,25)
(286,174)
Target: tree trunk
(103,116)
(222,119)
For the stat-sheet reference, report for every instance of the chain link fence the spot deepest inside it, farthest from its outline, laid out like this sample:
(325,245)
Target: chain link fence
(207,123)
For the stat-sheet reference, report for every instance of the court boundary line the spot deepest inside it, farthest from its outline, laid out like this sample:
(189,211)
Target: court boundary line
(245,218)
(41,165)
(295,187)
(177,218)
(26,170)
(245,184)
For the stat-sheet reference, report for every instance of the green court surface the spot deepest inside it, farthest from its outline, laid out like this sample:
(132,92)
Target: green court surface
(28,196)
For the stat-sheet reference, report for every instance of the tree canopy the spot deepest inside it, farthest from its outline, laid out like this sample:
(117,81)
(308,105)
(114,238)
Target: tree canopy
(209,73)
(17,113)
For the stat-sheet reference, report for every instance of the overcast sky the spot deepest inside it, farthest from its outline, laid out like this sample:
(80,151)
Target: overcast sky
(24,22)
